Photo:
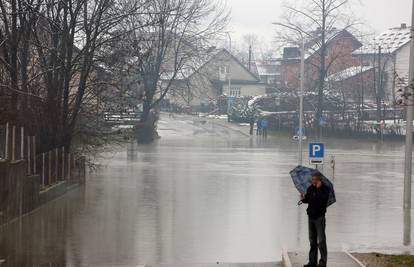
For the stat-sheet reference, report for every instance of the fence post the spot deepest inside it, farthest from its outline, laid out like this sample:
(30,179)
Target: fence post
(13,157)
(21,143)
(63,164)
(43,169)
(49,180)
(28,156)
(34,154)
(57,164)
(6,148)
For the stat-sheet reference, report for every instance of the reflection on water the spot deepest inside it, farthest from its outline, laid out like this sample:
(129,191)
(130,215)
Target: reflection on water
(203,196)
(132,150)
(41,239)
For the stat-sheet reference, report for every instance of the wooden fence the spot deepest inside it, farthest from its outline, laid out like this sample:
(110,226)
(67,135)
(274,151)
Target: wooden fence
(52,166)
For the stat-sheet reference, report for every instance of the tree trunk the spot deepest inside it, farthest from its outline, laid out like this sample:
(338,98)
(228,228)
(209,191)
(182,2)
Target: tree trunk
(145,131)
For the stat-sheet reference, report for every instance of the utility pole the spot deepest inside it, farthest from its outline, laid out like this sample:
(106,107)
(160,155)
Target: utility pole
(250,57)
(229,80)
(361,108)
(380,94)
(409,119)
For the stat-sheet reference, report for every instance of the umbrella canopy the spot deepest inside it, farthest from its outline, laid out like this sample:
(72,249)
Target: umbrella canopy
(302,179)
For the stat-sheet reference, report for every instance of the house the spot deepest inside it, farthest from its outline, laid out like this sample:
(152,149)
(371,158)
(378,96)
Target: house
(354,84)
(215,74)
(270,73)
(388,53)
(290,68)
(338,57)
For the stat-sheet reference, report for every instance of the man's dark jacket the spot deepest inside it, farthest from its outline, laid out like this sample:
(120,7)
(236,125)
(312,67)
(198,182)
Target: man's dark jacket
(317,198)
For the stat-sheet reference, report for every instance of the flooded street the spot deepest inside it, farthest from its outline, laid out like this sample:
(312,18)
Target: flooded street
(205,194)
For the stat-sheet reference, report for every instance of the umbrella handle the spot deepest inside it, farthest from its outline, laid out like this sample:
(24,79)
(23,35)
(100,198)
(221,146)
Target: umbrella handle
(300,202)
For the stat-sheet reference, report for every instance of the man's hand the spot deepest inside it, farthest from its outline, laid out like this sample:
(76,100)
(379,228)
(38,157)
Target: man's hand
(302,196)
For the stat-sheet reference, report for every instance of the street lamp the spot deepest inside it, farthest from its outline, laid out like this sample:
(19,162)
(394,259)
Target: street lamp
(302,78)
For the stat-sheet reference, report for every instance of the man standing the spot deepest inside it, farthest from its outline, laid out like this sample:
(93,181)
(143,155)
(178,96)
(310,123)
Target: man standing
(264,124)
(251,125)
(259,127)
(317,197)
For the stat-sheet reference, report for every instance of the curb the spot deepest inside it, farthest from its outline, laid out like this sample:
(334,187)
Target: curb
(354,259)
(285,258)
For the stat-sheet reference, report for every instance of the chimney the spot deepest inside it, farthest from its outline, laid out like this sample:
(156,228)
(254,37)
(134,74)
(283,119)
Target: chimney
(403,26)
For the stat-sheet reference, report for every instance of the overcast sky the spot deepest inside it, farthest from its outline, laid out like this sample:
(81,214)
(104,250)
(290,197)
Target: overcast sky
(256,16)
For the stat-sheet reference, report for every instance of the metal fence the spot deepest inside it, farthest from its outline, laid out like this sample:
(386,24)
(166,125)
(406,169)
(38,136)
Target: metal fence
(53,166)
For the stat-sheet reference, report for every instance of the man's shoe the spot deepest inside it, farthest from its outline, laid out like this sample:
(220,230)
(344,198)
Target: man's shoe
(310,265)
(321,265)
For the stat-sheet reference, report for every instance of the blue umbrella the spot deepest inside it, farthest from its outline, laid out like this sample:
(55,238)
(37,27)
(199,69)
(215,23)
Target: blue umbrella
(302,179)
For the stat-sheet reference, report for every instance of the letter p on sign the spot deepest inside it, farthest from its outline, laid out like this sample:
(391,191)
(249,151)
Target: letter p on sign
(316,150)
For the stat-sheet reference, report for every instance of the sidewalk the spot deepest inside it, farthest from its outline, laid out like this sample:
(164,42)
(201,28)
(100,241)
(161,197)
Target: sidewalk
(335,259)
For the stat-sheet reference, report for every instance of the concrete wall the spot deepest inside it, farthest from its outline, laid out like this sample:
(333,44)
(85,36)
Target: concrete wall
(21,193)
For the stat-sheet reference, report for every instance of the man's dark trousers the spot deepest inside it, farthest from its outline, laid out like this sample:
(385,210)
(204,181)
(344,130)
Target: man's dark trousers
(317,233)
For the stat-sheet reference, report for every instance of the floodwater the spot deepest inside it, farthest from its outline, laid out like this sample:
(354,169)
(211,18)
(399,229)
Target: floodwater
(207,194)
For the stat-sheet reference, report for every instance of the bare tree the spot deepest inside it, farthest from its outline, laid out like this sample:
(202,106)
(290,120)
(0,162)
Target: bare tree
(50,52)
(318,21)
(162,52)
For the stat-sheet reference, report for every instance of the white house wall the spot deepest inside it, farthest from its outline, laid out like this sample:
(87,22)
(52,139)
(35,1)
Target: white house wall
(247,89)
(403,61)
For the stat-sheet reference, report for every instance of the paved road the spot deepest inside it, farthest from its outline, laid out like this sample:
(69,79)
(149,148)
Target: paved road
(336,259)
(204,194)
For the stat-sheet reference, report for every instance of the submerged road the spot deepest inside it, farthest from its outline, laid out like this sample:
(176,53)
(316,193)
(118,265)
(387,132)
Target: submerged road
(206,194)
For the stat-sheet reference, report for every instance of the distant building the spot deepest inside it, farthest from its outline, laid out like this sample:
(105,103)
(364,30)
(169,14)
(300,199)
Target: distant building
(215,74)
(290,68)
(355,85)
(340,45)
(392,49)
(270,73)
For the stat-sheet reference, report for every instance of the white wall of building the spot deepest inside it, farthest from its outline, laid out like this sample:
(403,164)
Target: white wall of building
(402,60)
(245,89)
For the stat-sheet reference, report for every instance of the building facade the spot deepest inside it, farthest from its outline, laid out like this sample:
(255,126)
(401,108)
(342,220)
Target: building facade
(220,74)
(388,54)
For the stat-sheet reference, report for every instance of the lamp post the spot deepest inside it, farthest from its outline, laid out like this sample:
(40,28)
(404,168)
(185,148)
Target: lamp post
(301,92)
(409,128)
(229,80)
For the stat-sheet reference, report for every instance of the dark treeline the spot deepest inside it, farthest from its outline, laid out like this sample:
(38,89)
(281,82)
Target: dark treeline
(62,62)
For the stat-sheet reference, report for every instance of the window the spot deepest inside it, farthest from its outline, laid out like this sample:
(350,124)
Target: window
(223,71)
(235,91)
(271,80)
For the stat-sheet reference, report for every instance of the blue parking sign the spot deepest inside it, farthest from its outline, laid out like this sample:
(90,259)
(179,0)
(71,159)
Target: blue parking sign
(316,150)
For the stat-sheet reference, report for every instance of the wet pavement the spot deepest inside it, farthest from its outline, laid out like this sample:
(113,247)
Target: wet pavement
(206,194)
(336,259)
